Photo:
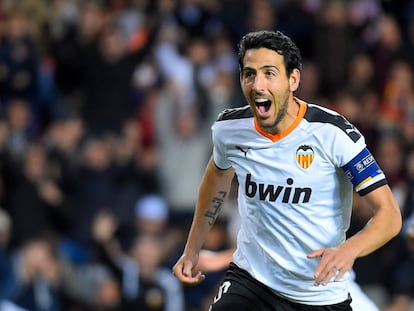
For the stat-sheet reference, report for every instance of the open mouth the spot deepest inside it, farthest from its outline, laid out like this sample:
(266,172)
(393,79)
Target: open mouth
(263,105)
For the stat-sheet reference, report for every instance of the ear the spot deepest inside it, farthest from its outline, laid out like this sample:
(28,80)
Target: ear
(294,80)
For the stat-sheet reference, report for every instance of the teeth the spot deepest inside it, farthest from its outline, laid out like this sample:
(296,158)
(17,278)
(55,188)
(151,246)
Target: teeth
(261,100)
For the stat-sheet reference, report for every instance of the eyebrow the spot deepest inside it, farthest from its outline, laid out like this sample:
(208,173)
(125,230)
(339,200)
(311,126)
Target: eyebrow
(263,67)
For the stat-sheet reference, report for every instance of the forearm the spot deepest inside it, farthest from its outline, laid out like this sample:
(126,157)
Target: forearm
(214,261)
(213,192)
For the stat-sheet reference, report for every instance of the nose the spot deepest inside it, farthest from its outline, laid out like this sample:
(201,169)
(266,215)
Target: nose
(258,83)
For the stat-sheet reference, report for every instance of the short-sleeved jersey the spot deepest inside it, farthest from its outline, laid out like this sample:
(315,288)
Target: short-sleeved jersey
(295,194)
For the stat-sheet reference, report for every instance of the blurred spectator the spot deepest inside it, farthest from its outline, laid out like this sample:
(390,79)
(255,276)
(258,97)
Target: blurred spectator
(75,31)
(401,289)
(63,139)
(144,158)
(19,60)
(18,118)
(89,287)
(175,67)
(360,74)
(37,278)
(346,103)
(108,75)
(94,189)
(42,280)
(104,66)
(333,46)
(370,116)
(146,283)
(261,15)
(386,48)
(6,274)
(104,114)
(310,82)
(398,99)
(35,202)
(184,148)
(215,74)
(389,153)
(156,289)
(25,71)
(151,214)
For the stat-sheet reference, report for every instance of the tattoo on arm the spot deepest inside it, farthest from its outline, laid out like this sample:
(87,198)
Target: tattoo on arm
(217,204)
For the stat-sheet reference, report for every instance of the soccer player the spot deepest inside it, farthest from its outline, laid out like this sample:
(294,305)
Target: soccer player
(297,165)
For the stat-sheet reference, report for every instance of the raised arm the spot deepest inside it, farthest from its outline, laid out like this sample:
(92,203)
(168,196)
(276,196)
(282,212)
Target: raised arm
(213,192)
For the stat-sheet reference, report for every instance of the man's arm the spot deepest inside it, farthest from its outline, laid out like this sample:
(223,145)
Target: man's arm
(211,261)
(382,227)
(214,190)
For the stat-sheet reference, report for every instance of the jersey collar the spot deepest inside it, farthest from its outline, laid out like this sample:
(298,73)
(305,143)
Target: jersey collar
(279,136)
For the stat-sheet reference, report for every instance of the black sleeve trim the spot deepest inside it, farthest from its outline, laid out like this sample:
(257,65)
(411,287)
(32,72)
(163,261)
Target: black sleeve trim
(221,169)
(235,113)
(372,187)
(315,114)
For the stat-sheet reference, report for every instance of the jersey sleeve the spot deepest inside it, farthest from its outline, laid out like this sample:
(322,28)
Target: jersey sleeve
(356,160)
(219,148)
(346,141)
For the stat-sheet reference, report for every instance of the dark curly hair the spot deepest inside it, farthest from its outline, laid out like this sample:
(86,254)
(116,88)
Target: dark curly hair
(272,40)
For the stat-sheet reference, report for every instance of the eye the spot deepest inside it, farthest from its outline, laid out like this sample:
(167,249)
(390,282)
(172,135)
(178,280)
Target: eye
(270,73)
(248,74)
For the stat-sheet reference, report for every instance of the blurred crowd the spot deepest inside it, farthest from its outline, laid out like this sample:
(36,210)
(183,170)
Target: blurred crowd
(105,115)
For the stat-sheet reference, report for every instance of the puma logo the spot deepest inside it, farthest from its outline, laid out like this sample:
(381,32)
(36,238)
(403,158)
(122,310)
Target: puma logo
(242,150)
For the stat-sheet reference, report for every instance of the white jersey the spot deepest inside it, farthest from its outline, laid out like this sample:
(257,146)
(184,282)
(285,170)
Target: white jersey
(295,194)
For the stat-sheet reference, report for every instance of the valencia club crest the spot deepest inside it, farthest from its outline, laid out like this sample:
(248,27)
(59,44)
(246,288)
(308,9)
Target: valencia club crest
(304,156)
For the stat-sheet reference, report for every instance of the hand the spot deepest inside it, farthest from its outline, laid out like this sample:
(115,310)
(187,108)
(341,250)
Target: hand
(38,261)
(185,271)
(51,193)
(104,226)
(334,264)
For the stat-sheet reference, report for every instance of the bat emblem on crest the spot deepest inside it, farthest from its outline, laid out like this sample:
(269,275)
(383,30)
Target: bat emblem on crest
(305,156)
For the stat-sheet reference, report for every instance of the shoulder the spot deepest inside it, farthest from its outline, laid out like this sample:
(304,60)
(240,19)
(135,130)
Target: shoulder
(322,115)
(235,113)
(316,113)
(233,125)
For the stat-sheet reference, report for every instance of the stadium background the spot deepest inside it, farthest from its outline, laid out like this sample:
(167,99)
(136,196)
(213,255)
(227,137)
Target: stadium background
(105,112)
